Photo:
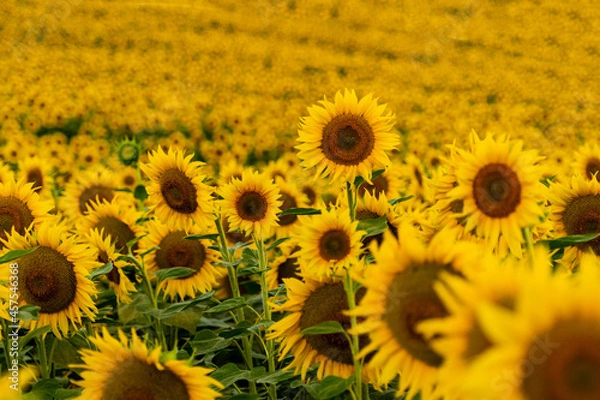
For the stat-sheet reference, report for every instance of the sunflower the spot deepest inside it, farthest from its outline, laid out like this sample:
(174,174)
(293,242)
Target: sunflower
(6,172)
(347,138)
(112,220)
(174,250)
(370,207)
(290,197)
(284,265)
(37,172)
(400,294)
(548,348)
(575,209)
(251,204)
(587,161)
(126,369)
(311,302)
(105,252)
(389,182)
(20,207)
(328,242)
(54,276)
(177,192)
(27,375)
(498,183)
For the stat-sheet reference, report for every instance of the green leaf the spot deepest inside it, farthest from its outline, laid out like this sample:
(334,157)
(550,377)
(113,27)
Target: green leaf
(65,353)
(173,273)
(323,328)
(276,377)
(43,389)
(64,394)
(228,305)
(150,250)
(14,254)
(546,181)
(329,387)
(135,240)
(567,241)
(228,374)
(32,335)
(300,211)
(129,312)
(187,319)
(276,243)
(197,236)
(140,192)
(373,226)
(240,330)
(105,269)
(359,180)
(206,341)
(400,199)
(28,312)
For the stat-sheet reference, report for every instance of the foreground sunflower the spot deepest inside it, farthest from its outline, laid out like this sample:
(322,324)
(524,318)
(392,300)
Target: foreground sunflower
(251,204)
(498,184)
(347,138)
(177,192)
(126,369)
(400,294)
(54,277)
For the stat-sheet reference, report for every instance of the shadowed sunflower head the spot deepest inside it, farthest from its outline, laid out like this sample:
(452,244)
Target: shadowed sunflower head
(346,138)
(126,369)
(586,161)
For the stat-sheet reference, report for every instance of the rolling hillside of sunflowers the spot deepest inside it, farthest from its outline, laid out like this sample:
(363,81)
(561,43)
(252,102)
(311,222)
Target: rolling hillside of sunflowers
(285,199)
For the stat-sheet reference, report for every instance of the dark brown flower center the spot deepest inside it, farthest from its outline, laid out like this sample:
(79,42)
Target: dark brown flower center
(14,213)
(456,206)
(410,300)
(288,269)
(564,364)
(234,237)
(497,190)
(380,185)
(178,191)
(310,194)
(134,379)
(348,139)
(592,167)
(176,251)
(334,245)
(327,303)
(36,177)
(581,216)
(96,193)
(252,206)
(113,275)
(288,201)
(47,279)
(118,230)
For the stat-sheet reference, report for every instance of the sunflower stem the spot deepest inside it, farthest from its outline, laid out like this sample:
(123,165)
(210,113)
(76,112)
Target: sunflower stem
(6,343)
(354,344)
(152,294)
(352,199)
(528,236)
(264,288)
(41,345)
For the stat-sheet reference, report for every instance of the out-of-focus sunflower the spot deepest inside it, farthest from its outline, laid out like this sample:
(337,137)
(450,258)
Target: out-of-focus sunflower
(105,252)
(6,172)
(347,138)
(230,170)
(499,185)
(284,265)
(54,277)
(37,172)
(370,207)
(400,294)
(329,241)
(20,207)
(290,197)
(251,204)
(126,178)
(549,348)
(126,369)
(575,210)
(586,161)
(174,250)
(25,379)
(177,192)
(311,302)
(113,220)
(388,182)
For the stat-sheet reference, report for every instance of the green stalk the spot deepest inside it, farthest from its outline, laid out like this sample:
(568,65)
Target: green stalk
(354,344)
(352,199)
(528,236)
(43,357)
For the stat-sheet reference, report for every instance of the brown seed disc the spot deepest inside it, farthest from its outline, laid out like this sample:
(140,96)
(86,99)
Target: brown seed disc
(288,202)
(581,216)
(497,190)
(334,245)
(36,177)
(380,185)
(592,167)
(348,139)
(97,193)
(176,251)
(178,191)
(252,206)
(118,230)
(14,214)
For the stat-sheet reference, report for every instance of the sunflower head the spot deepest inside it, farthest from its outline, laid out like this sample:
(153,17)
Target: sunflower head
(128,152)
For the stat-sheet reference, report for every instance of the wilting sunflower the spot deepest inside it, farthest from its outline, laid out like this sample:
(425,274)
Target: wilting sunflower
(498,183)
(174,250)
(400,294)
(586,161)
(329,241)
(251,204)
(575,209)
(347,138)
(54,277)
(549,348)
(309,303)
(105,252)
(20,207)
(126,369)
(177,192)
(113,220)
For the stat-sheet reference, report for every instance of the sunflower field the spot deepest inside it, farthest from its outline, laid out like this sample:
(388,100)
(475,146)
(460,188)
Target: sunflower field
(299,199)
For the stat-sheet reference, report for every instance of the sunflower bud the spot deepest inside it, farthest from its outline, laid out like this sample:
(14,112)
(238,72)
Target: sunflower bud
(128,152)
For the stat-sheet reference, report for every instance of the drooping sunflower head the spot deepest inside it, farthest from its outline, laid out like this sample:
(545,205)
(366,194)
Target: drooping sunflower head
(177,192)
(251,204)
(346,138)
(498,184)
(126,369)
(54,276)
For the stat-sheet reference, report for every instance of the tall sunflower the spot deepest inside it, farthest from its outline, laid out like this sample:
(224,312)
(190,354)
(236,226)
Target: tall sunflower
(400,295)
(126,369)
(174,250)
(251,204)
(328,242)
(177,192)
(54,277)
(498,184)
(347,138)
